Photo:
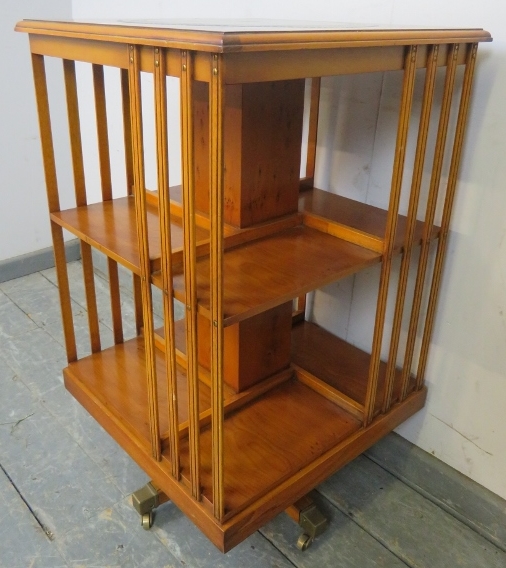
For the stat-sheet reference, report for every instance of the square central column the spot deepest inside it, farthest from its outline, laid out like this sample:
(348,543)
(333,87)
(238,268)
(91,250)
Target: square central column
(262,153)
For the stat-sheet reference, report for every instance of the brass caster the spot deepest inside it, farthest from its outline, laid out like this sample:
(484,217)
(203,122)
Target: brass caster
(304,542)
(147,520)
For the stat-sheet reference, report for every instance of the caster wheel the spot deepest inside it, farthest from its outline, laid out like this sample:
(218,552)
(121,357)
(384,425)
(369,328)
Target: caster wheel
(147,520)
(304,542)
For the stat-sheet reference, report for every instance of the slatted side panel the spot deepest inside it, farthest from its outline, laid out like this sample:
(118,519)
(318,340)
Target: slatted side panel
(416,182)
(437,167)
(391,227)
(448,205)
(416,315)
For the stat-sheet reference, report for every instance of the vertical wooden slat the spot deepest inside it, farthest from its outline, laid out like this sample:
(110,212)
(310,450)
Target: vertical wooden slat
(106,182)
(190,276)
(69,71)
(46,136)
(117,323)
(127,138)
(166,250)
(445,222)
(391,227)
(314,111)
(416,182)
(143,244)
(136,283)
(127,131)
(432,199)
(216,106)
(102,131)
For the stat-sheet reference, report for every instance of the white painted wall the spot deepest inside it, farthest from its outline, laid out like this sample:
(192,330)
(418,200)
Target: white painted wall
(24,224)
(464,421)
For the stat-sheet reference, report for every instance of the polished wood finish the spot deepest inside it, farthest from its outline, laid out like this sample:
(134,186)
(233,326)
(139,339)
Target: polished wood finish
(254,348)
(109,226)
(344,368)
(268,272)
(241,408)
(354,221)
(450,195)
(262,134)
(391,228)
(423,131)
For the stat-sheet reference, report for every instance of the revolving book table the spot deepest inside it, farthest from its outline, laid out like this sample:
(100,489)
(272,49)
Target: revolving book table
(242,407)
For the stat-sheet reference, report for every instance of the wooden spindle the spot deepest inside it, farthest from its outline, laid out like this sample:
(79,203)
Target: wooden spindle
(216,106)
(432,199)
(106,186)
(53,200)
(127,138)
(76,149)
(166,254)
(416,182)
(314,110)
(143,244)
(445,222)
(190,268)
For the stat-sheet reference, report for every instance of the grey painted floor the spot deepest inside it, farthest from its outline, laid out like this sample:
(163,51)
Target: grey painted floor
(65,485)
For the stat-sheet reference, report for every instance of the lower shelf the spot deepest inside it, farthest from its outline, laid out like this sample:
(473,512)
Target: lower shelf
(278,446)
(339,364)
(116,377)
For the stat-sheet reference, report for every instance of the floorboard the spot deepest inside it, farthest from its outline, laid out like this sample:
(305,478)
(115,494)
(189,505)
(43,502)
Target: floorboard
(412,527)
(469,502)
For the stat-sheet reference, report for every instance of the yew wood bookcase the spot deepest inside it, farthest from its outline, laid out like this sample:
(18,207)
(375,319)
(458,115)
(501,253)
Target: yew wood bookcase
(242,407)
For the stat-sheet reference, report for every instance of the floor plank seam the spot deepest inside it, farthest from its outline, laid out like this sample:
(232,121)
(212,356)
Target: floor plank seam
(380,541)
(45,530)
(97,462)
(441,504)
(24,311)
(278,549)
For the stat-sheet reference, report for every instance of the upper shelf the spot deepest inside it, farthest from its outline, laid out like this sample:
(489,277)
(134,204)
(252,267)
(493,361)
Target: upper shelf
(268,272)
(352,220)
(250,35)
(259,274)
(109,226)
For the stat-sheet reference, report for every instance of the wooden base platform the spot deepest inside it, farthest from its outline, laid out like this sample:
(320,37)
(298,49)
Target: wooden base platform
(285,431)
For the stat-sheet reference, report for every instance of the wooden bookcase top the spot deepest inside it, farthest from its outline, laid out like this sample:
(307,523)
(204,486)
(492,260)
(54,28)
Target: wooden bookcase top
(250,35)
